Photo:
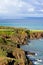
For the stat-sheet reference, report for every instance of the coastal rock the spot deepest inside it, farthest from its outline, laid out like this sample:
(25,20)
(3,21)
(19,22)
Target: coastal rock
(3,61)
(10,41)
(29,53)
(36,35)
(20,54)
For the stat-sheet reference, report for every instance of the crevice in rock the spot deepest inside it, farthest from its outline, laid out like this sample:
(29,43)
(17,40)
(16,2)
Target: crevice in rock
(18,46)
(11,63)
(10,55)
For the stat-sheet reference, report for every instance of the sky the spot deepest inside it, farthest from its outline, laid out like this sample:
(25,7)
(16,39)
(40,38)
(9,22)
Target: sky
(21,8)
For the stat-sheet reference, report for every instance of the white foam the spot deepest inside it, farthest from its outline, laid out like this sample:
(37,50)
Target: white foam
(35,62)
(39,60)
(30,55)
(35,54)
(40,39)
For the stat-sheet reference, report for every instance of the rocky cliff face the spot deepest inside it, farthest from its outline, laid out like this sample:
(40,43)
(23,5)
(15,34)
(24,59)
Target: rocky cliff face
(36,35)
(18,55)
(10,42)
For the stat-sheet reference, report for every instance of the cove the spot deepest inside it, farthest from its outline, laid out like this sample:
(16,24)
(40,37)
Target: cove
(35,46)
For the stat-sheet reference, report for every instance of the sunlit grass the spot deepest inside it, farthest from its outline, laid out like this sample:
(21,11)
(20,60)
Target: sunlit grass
(36,30)
(6,59)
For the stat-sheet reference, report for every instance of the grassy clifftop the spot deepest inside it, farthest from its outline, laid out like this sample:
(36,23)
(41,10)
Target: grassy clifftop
(36,34)
(10,40)
(36,30)
(15,35)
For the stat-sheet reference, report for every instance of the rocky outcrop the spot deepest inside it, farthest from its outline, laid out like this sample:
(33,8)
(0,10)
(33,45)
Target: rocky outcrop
(17,54)
(36,35)
(20,54)
(29,53)
(10,42)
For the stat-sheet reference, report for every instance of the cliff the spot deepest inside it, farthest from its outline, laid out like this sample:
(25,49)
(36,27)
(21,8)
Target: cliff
(10,41)
(37,34)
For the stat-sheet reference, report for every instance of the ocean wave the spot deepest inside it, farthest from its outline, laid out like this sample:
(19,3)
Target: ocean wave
(35,54)
(39,60)
(35,62)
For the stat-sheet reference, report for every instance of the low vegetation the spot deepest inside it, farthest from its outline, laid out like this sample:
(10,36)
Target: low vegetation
(36,34)
(36,31)
(10,41)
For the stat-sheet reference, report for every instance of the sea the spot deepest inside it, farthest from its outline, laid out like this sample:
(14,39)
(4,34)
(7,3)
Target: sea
(30,23)
(35,46)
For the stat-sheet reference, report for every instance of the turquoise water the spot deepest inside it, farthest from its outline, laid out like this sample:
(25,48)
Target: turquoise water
(31,23)
(35,46)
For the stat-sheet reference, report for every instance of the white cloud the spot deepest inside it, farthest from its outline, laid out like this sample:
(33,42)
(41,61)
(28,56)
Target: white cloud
(16,4)
(41,10)
(18,7)
(11,6)
(31,10)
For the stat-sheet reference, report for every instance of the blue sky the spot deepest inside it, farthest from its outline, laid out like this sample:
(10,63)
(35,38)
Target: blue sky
(21,8)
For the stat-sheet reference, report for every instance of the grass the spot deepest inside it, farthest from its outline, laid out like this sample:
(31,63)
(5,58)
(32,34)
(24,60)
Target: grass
(36,30)
(9,59)
(2,53)
(9,44)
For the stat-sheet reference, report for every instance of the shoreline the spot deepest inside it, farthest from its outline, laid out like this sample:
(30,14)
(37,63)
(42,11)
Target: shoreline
(11,40)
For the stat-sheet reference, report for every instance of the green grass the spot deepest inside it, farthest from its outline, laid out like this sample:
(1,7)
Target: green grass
(8,59)
(6,43)
(2,53)
(36,30)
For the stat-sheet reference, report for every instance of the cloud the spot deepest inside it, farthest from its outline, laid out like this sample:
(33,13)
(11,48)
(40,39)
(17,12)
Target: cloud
(13,8)
(31,10)
(41,10)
